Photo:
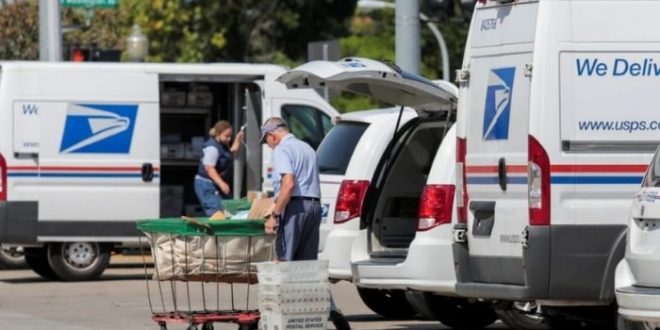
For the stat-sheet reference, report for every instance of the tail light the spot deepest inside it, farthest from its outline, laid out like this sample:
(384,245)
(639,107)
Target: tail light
(349,199)
(461,182)
(3,179)
(435,206)
(538,186)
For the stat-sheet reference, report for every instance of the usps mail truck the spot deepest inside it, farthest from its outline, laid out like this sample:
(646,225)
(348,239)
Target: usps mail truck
(557,121)
(87,149)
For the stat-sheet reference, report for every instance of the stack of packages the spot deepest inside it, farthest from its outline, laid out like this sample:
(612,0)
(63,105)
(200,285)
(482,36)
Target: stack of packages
(294,295)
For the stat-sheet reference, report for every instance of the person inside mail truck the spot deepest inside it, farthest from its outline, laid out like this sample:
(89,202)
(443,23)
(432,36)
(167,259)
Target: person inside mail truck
(216,167)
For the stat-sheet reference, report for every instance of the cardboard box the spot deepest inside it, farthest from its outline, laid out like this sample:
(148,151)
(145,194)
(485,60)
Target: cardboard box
(261,208)
(256,194)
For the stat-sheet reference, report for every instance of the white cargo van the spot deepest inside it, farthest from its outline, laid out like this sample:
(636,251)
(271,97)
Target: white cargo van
(637,280)
(87,149)
(557,121)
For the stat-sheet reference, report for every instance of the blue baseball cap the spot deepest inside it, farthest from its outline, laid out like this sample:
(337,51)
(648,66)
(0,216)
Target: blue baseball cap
(269,127)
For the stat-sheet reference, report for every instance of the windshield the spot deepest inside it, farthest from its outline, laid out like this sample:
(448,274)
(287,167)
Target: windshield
(337,147)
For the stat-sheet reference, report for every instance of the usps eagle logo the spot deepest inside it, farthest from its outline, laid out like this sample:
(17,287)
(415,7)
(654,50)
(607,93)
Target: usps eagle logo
(498,104)
(98,128)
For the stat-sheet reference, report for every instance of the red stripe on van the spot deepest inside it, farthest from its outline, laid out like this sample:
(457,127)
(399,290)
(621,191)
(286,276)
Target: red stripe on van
(600,168)
(78,168)
(476,169)
(565,168)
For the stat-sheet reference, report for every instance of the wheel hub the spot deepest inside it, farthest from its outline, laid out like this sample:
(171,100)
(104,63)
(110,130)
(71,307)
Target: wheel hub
(11,252)
(80,254)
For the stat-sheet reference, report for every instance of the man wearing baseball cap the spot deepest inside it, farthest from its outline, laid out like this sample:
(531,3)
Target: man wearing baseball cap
(296,217)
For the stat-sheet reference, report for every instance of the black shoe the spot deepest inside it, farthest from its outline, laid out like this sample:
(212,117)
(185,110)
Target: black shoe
(339,321)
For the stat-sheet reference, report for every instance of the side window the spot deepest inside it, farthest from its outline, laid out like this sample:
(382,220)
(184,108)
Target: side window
(307,123)
(326,123)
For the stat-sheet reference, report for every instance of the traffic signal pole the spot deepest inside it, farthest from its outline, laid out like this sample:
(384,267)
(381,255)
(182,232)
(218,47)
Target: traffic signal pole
(50,33)
(408,52)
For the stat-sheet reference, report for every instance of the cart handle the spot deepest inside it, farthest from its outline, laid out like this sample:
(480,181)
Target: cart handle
(206,228)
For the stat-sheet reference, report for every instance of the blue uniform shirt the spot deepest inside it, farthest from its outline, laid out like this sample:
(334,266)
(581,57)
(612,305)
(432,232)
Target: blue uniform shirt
(296,157)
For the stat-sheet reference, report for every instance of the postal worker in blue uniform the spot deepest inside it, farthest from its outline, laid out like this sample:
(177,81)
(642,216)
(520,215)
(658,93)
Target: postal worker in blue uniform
(216,168)
(296,217)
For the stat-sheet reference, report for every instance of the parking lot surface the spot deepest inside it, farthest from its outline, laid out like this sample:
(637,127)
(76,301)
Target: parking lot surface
(119,301)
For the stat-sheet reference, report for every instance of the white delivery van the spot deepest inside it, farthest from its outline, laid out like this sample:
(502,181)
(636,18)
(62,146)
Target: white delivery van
(637,280)
(557,122)
(385,193)
(87,149)
(348,157)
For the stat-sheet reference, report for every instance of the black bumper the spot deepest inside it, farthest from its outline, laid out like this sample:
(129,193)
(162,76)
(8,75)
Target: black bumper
(18,222)
(561,262)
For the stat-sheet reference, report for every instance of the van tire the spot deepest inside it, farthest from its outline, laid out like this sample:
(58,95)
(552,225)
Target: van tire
(460,313)
(78,261)
(391,304)
(419,303)
(517,319)
(37,260)
(624,324)
(11,258)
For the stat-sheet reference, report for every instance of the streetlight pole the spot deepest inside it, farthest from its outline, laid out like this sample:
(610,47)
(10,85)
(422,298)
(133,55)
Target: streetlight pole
(408,53)
(444,53)
(50,35)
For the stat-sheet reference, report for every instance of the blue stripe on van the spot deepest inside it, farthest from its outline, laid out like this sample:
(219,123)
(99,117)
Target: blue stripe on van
(484,180)
(597,179)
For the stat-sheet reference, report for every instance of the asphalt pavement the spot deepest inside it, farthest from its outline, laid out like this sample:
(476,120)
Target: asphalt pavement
(119,300)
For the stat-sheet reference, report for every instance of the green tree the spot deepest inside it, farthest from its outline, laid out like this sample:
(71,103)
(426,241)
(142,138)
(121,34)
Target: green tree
(236,30)
(19,31)
(99,27)
(189,30)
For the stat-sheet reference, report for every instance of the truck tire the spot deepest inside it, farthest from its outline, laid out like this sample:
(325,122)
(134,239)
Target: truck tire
(519,316)
(623,324)
(12,258)
(78,261)
(460,313)
(418,302)
(391,304)
(37,259)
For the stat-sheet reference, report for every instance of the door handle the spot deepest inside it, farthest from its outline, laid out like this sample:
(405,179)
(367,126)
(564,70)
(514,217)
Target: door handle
(147,172)
(501,173)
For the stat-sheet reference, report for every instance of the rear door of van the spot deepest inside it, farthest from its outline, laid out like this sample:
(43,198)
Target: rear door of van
(496,140)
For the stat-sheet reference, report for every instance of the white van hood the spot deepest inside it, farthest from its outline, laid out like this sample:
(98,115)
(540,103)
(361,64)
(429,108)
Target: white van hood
(382,82)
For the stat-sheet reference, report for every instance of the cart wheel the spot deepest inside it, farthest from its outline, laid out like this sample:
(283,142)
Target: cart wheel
(253,326)
(207,326)
(163,326)
(192,327)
